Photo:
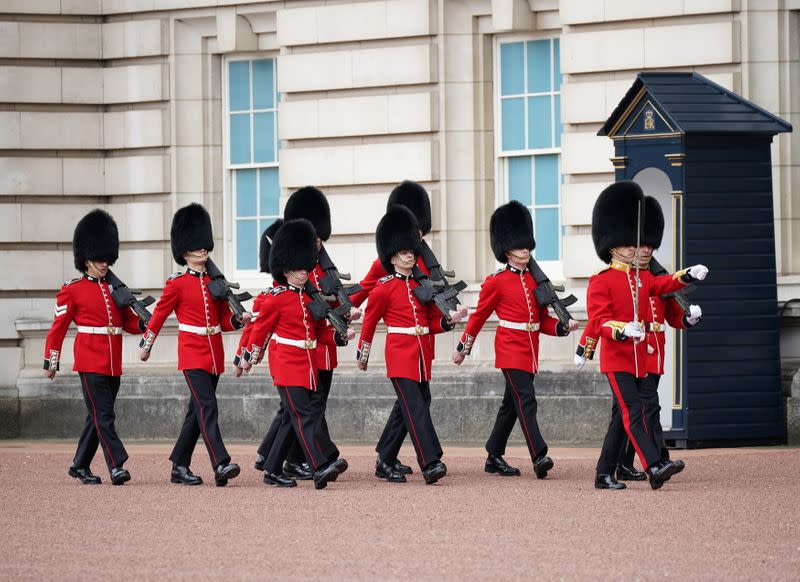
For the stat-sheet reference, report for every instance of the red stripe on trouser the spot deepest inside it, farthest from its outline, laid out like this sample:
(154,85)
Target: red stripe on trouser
(626,417)
(94,420)
(411,422)
(522,420)
(202,419)
(644,421)
(300,430)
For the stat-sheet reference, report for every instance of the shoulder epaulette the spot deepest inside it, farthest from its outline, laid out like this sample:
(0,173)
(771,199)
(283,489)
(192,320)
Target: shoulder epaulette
(277,290)
(176,275)
(386,278)
(498,271)
(71,281)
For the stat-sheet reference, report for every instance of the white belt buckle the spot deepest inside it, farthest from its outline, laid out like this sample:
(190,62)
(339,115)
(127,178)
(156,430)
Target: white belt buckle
(419,330)
(210,330)
(530,326)
(309,344)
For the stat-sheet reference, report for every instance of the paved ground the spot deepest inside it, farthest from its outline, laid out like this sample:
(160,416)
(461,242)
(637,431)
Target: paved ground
(734,514)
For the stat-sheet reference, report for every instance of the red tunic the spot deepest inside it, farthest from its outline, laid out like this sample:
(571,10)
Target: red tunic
(87,301)
(186,293)
(375,274)
(609,302)
(509,293)
(284,315)
(243,350)
(661,310)
(327,358)
(393,300)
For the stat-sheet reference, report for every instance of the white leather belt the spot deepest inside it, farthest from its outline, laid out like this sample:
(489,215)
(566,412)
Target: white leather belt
(655,326)
(107,330)
(418,330)
(199,329)
(255,315)
(518,325)
(302,344)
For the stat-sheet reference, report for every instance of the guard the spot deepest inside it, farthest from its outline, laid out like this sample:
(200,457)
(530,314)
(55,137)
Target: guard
(201,356)
(98,344)
(408,353)
(294,336)
(509,293)
(618,299)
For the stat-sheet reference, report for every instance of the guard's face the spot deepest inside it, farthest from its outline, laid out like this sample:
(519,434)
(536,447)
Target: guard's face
(297,277)
(404,259)
(624,254)
(522,255)
(97,268)
(645,254)
(199,255)
(319,244)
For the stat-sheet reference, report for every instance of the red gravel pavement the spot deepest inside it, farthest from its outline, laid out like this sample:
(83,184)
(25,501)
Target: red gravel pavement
(733,514)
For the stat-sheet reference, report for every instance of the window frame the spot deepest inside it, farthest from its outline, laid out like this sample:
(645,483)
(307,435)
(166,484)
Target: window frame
(554,269)
(248,278)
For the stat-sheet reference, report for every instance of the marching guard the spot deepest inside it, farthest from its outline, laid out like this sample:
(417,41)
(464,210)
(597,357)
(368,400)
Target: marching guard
(88,302)
(201,357)
(408,352)
(618,300)
(284,316)
(509,293)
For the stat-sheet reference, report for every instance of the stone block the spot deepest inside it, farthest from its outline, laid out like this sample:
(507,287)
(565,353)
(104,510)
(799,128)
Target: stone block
(402,65)
(59,218)
(132,38)
(135,83)
(584,102)
(30,84)
(84,176)
(297,26)
(299,119)
(82,7)
(315,71)
(145,128)
(621,10)
(9,417)
(69,130)
(82,85)
(393,162)
(461,157)
(510,15)
(49,267)
(9,40)
(580,12)
(136,175)
(700,44)
(65,40)
(189,165)
(586,153)
(25,7)
(188,74)
(412,113)
(580,260)
(323,166)
(234,33)
(10,228)
(29,176)
(10,130)
(189,122)
(10,364)
(577,201)
(584,52)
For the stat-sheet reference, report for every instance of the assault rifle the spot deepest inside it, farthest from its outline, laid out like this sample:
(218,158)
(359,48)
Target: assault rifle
(221,289)
(545,294)
(679,296)
(125,297)
(320,309)
(435,287)
(331,284)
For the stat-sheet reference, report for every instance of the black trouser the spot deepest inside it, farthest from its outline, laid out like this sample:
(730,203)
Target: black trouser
(201,419)
(302,420)
(626,412)
(413,408)
(652,417)
(99,393)
(295,454)
(519,402)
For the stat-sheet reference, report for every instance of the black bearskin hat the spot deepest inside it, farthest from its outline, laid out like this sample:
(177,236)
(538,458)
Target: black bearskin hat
(191,230)
(414,197)
(397,231)
(96,238)
(614,218)
(265,244)
(511,227)
(310,203)
(293,248)
(653,223)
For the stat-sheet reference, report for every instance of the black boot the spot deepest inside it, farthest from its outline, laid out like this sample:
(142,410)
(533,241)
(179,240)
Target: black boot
(299,471)
(498,465)
(661,472)
(259,464)
(606,481)
(223,473)
(541,466)
(401,468)
(324,475)
(625,473)
(279,480)
(184,476)
(85,476)
(434,471)
(341,466)
(385,471)
(119,476)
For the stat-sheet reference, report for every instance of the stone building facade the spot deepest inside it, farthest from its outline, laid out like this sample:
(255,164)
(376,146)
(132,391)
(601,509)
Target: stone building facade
(142,106)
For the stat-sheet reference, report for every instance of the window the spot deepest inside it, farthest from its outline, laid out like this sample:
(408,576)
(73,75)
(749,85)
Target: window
(252,154)
(529,108)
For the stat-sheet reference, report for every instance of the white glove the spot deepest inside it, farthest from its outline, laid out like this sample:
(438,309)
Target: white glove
(698,272)
(580,362)
(694,315)
(633,330)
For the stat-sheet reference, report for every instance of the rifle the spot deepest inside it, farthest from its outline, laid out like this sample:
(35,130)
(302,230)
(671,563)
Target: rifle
(320,309)
(679,296)
(221,289)
(545,294)
(125,297)
(435,287)
(331,284)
